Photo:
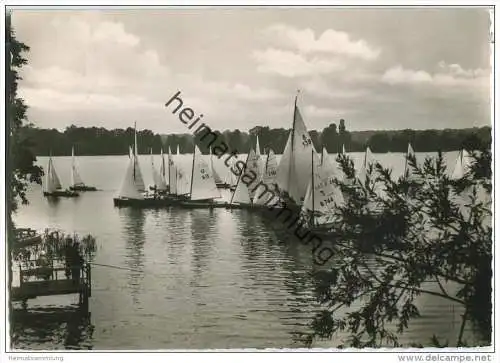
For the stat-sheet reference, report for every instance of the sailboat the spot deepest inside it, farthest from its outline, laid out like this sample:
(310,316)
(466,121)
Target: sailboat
(230,180)
(462,165)
(257,147)
(164,172)
(137,168)
(363,171)
(407,174)
(267,194)
(218,180)
(52,186)
(325,158)
(180,178)
(77,183)
(295,164)
(131,191)
(253,166)
(322,196)
(241,197)
(203,190)
(159,184)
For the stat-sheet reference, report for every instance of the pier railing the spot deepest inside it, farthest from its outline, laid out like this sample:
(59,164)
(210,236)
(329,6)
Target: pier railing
(53,278)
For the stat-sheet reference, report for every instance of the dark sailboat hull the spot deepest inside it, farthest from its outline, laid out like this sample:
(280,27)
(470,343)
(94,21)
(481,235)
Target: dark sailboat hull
(145,203)
(62,194)
(83,188)
(200,204)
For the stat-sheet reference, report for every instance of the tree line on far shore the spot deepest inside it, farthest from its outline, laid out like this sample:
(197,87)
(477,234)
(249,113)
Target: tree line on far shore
(101,141)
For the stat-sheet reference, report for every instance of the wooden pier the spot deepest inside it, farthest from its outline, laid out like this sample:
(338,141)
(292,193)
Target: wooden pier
(49,280)
(26,237)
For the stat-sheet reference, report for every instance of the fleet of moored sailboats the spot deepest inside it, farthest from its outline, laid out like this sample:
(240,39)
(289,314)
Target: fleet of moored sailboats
(302,181)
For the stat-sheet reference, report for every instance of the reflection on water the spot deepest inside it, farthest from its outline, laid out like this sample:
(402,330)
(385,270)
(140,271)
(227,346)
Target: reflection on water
(52,328)
(186,279)
(133,234)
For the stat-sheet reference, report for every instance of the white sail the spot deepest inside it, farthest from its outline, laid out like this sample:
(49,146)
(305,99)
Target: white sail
(462,165)
(183,181)
(261,196)
(257,147)
(163,170)
(129,189)
(177,153)
(202,183)
(52,182)
(130,152)
(295,165)
(135,140)
(157,179)
(172,174)
(217,178)
(368,159)
(270,168)
(230,179)
(76,180)
(330,165)
(241,194)
(343,149)
(407,172)
(139,181)
(325,158)
(322,194)
(253,164)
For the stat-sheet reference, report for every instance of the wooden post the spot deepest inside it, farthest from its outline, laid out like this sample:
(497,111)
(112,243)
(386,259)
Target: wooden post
(89,279)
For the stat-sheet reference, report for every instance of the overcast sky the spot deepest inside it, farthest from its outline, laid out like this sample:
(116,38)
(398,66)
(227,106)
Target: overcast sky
(376,68)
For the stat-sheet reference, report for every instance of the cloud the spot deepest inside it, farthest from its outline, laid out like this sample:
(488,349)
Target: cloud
(329,89)
(110,68)
(449,75)
(319,112)
(220,89)
(289,64)
(300,53)
(330,41)
(57,100)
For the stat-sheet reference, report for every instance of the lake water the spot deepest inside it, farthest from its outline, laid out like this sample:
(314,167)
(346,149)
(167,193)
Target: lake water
(190,279)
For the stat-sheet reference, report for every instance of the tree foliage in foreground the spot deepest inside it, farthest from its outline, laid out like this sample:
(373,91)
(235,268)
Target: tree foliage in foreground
(20,159)
(426,228)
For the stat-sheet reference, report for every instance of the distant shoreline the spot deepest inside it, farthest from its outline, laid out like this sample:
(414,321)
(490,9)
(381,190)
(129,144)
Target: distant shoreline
(93,141)
(279,155)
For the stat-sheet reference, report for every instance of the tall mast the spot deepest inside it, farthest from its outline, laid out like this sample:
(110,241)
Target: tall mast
(135,138)
(50,165)
(293,136)
(312,185)
(169,178)
(162,162)
(192,171)
(364,161)
(135,146)
(294,116)
(406,161)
